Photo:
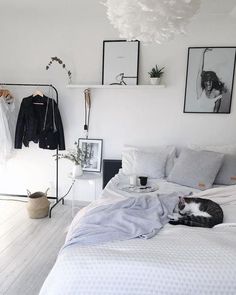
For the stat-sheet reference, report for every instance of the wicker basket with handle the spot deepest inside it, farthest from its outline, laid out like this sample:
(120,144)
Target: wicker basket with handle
(38,204)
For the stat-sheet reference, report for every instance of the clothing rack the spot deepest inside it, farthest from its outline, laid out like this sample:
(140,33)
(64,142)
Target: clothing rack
(56,198)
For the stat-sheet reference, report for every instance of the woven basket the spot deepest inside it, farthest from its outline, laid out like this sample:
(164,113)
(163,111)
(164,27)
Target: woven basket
(38,205)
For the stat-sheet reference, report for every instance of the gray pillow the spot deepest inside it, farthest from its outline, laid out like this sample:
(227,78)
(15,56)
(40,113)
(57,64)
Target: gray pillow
(227,173)
(197,169)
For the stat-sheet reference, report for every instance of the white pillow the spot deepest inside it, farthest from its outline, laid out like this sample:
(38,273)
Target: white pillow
(170,160)
(128,160)
(150,164)
(128,157)
(229,149)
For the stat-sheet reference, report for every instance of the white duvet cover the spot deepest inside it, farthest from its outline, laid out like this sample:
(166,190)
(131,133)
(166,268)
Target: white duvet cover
(179,260)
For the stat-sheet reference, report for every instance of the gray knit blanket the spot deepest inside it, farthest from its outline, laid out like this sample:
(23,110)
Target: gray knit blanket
(141,217)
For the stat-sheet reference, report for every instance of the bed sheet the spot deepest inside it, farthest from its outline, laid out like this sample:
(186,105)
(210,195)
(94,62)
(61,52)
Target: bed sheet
(179,260)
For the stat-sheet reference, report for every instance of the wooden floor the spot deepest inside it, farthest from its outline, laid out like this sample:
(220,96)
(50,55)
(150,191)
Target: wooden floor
(29,247)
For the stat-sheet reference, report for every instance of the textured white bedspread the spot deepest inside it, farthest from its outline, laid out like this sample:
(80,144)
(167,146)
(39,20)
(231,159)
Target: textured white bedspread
(179,260)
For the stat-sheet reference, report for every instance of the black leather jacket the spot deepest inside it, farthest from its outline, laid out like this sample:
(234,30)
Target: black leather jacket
(39,121)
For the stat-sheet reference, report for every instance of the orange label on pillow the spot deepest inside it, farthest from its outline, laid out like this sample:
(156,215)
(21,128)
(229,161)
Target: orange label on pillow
(233,178)
(202,185)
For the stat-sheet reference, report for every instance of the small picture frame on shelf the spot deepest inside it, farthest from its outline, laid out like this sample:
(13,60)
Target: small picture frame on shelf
(92,150)
(120,62)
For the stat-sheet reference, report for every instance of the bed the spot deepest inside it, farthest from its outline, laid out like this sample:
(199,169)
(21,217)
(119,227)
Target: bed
(178,260)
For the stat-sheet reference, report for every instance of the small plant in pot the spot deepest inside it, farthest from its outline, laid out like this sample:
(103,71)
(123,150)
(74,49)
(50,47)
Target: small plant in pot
(155,75)
(76,156)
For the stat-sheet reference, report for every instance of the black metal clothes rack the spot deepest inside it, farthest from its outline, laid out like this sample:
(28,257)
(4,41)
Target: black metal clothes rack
(56,198)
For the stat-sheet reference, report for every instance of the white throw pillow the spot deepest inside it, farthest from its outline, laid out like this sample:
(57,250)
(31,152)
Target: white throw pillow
(229,149)
(128,157)
(128,160)
(150,164)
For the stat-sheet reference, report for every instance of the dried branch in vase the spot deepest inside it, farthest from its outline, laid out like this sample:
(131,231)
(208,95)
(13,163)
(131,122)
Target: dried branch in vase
(75,155)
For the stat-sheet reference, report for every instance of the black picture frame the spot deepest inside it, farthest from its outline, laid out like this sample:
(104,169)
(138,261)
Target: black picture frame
(209,79)
(115,51)
(92,150)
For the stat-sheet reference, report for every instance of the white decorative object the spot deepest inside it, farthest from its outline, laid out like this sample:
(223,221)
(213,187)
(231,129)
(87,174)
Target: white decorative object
(133,180)
(155,81)
(77,171)
(150,20)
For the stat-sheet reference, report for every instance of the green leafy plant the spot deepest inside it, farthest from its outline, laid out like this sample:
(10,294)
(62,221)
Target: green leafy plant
(58,60)
(156,72)
(75,155)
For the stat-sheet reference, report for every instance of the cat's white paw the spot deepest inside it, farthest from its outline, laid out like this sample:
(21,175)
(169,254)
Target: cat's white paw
(174,216)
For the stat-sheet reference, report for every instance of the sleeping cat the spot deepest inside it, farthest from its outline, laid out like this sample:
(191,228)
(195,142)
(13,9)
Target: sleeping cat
(197,212)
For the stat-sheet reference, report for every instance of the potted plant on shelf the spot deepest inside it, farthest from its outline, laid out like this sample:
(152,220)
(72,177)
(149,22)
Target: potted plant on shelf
(76,156)
(155,75)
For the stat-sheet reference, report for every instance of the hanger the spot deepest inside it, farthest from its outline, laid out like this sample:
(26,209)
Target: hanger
(6,94)
(38,93)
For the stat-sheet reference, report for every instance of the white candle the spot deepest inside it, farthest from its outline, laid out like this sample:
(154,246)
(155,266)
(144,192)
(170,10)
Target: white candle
(133,180)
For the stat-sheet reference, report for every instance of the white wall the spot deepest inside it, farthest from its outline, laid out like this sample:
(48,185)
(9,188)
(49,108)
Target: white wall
(33,31)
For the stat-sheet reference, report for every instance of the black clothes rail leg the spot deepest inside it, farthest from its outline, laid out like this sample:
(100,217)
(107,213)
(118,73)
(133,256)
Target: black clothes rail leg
(56,198)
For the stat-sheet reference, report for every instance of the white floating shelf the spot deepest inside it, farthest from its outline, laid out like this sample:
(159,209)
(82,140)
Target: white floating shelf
(98,86)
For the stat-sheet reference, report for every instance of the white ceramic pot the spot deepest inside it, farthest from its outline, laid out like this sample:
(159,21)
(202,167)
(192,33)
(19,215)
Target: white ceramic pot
(77,171)
(155,81)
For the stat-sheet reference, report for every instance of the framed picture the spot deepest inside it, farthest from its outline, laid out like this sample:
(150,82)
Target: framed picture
(92,149)
(209,80)
(120,62)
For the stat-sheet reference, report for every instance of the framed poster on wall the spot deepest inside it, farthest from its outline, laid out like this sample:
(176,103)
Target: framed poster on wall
(209,79)
(92,151)
(120,62)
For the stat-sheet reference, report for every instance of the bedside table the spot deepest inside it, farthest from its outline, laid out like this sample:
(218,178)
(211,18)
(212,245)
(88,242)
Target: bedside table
(86,179)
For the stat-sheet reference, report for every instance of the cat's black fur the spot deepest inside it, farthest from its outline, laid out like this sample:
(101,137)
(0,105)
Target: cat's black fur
(205,205)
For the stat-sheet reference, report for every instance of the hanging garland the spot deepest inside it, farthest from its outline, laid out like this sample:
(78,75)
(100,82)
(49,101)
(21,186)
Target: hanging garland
(58,60)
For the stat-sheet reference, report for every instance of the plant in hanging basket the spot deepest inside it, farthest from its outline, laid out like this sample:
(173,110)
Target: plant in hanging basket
(58,60)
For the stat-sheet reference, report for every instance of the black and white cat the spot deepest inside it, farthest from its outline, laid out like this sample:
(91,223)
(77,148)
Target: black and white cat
(197,212)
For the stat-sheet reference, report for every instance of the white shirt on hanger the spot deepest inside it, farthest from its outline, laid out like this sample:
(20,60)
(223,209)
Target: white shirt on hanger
(7,129)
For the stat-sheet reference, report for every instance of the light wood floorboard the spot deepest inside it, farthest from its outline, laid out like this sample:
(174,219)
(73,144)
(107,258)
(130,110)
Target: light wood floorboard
(29,247)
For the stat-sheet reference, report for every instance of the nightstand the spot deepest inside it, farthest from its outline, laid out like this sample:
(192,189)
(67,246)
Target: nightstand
(87,180)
